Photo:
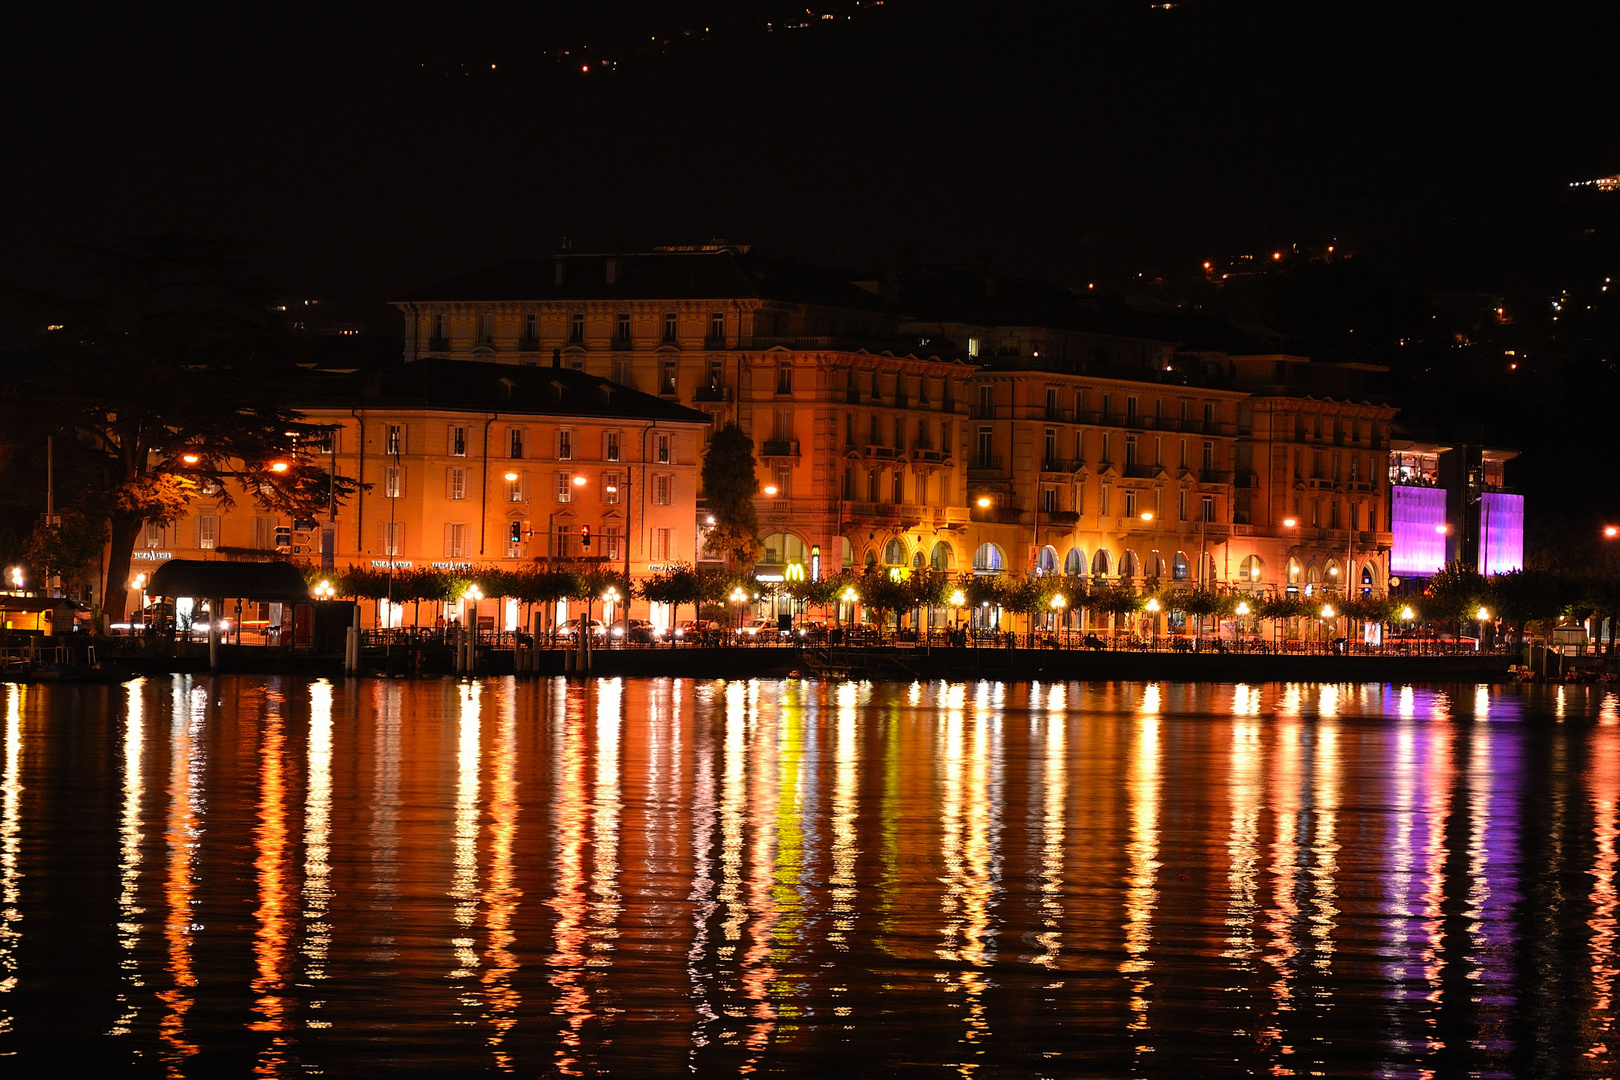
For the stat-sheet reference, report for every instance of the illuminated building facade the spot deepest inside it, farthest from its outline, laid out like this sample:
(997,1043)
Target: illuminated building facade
(1451,501)
(474,464)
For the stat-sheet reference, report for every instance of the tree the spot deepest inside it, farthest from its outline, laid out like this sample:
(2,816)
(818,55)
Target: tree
(674,586)
(169,387)
(68,549)
(730,482)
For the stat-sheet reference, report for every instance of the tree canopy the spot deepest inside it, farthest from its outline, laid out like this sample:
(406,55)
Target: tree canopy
(730,484)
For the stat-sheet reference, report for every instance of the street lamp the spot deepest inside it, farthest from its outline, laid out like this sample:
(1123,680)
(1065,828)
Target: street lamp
(190,459)
(324,590)
(511,477)
(1407,614)
(278,466)
(958,599)
(984,502)
(474,594)
(17,578)
(850,597)
(770,489)
(612,597)
(1147,515)
(1611,531)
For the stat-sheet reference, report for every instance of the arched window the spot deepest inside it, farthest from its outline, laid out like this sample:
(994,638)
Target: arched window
(1313,573)
(987,559)
(1127,566)
(1046,561)
(871,558)
(1181,569)
(1332,574)
(846,552)
(1293,571)
(1155,566)
(943,558)
(1100,563)
(783,548)
(917,559)
(894,552)
(1251,570)
(1074,563)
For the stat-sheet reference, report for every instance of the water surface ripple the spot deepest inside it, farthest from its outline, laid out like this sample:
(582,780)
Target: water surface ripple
(284,877)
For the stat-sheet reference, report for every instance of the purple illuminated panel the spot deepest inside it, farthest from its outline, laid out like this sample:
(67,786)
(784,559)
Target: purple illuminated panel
(1501,523)
(1416,517)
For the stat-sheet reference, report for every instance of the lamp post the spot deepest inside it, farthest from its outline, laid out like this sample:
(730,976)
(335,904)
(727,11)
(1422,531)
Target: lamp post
(1327,613)
(1058,604)
(1484,617)
(1242,612)
(1152,607)
(738,599)
(957,600)
(850,597)
(324,590)
(612,597)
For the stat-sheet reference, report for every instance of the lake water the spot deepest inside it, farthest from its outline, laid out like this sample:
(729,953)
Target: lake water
(283,877)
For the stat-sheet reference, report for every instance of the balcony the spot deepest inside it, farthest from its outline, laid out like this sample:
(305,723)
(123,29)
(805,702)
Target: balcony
(528,344)
(714,341)
(883,453)
(1059,465)
(1062,518)
(712,393)
(986,463)
(1059,416)
(619,344)
(924,455)
(438,344)
(779,448)
(1245,479)
(1214,476)
(880,513)
(995,514)
(1138,471)
(1363,486)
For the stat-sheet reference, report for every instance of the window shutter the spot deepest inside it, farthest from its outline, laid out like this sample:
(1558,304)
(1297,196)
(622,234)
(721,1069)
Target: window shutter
(449,539)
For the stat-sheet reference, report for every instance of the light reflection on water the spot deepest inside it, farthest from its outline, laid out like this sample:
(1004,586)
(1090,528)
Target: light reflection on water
(285,877)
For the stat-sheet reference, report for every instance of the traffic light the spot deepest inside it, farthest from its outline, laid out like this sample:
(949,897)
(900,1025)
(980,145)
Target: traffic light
(585,537)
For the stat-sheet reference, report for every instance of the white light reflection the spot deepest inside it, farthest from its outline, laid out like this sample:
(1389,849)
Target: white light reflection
(318,842)
(271,937)
(1142,858)
(129,857)
(1243,840)
(1055,781)
(11,847)
(500,899)
(846,759)
(464,877)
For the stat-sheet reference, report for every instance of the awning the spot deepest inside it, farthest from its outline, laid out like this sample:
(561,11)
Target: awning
(240,580)
(38,603)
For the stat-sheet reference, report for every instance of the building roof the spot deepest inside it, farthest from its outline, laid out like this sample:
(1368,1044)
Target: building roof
(245,580)
(721,273)
(477,386)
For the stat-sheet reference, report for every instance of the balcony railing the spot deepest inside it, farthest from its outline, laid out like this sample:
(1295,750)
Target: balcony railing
(1059,465)
(882,453)
(1214,476)
(986,463)
(438,344)
(780,448)
(712,393)
(1138,471)
(528,344)
(619,344)
(925,454)
(714,342)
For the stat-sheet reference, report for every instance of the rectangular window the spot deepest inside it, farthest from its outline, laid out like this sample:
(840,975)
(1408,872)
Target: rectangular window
(1108,408)
(610,542)
(1051,403)
(455,539)
(441,332)
(663,489)
(565,487)
(784,477)
(514,442)
(986,446)
(1049,499)
(393,482)
(621,329)
(1209,508)
(393,538)
(561,542)
(486,330)
(1181,505)
(661,544)
(668,370)
(717,328)
(987,402)
(784,378)
(621,370)
(781,425)
(610,452)
(565,445)
(1183,454)
(872,485)
(922,434)
(1107,456)
(671,323)
(327,441)
(531,329)
(899,488)
(264,532)
(1209,456)
(576,328)
(1130,503)
(394,439)
(154,535)
(899,433)
(514,489)
(1130,410)
(1130,451)
(514,539)
(1103,509)
(458,442)
(665,449)
(610,488)
(455,484)
(1209,418)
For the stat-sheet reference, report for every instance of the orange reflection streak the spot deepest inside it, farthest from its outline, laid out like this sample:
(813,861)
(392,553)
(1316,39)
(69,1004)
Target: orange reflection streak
(129,855)
(181,834)
(846,804)
(464,879)
(501,895)
(1142,855)
(1325,845)
(1439,758)
(567,959)
(1284,909)
(1604,781)
(756,973)
(1243,839)
(270,940)
(703,898)
(11,846)
(318,841)
(1053,828)
(605,900)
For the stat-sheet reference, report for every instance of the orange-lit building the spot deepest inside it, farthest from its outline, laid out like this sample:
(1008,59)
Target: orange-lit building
(474,464)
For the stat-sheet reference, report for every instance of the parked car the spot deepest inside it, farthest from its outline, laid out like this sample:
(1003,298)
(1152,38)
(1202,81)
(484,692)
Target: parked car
(570,629)
(696,631)
(757,630)
(813,630)
(640,633)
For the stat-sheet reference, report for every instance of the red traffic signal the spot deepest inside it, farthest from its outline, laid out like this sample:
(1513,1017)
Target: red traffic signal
(584,536)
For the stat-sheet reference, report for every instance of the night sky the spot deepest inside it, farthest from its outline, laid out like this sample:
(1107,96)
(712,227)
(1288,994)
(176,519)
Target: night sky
(365,148)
